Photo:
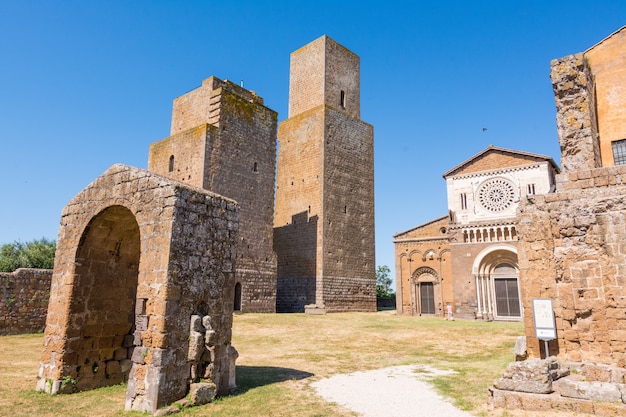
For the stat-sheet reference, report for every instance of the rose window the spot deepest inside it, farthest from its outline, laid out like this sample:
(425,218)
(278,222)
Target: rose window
(496,194)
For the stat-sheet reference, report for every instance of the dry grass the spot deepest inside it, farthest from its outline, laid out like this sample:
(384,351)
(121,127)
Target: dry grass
(281,354)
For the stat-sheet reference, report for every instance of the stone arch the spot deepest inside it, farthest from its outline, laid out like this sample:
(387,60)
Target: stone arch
(496,274)
(136,265)
(102,306)
(425,291)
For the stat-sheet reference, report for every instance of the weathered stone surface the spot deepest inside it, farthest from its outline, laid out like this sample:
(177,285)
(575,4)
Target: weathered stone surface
(24,301)
(538,387)
(202,393)
(596,391)
(520,348)
(137,256)
(223,139)
(534,376)
(324,216)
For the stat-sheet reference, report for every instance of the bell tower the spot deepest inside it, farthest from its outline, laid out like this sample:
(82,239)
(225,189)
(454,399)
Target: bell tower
(324,214)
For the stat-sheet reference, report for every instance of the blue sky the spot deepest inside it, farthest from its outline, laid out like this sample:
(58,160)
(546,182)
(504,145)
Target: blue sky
(86,84)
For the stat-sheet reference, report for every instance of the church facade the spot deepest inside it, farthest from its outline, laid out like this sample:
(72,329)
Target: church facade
(466,261)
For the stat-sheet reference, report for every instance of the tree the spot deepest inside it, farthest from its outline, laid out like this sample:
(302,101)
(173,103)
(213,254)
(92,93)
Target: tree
(383,281)
(33,254)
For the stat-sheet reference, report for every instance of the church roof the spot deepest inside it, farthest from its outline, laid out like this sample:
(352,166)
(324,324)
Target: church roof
(520,157)
(407,233)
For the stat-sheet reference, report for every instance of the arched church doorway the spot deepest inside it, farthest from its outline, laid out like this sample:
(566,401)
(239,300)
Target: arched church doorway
(102,307)
(496,275)
(426,292)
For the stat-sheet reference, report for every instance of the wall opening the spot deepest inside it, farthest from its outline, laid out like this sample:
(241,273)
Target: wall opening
(102,307)
(237,305)
(171,164)
(342,99)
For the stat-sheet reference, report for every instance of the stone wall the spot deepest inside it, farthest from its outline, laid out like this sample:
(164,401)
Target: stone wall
(572,250)
(572,241)
(143,263)
(24,298)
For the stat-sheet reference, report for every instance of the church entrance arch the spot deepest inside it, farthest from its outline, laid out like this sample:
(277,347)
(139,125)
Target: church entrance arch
(496,275)
(426,292)
(103,297)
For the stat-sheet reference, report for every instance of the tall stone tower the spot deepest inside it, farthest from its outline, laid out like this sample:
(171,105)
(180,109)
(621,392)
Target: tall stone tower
(223,139)
(324,215)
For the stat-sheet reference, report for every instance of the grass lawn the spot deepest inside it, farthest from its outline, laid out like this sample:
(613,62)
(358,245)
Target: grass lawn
(280,354)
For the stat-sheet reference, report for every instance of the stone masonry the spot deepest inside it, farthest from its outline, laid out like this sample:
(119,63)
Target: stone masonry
(324,217)
(24,300)
(142,290)
(572,242)
(223,139)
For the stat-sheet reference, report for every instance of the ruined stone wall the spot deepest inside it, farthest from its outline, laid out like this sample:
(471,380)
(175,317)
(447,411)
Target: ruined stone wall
(24,298)
(572,251)
(573,92)
(137,256)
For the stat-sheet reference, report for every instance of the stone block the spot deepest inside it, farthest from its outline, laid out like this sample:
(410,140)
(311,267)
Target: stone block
(593,391)
(537,387)
(520,348)
(202,393)
(196,346)
(139,355)
(196,324)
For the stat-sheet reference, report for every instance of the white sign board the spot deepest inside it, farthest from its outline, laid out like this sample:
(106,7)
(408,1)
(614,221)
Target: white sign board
(545,328)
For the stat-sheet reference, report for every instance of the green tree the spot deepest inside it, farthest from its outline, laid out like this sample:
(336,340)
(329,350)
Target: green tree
(33,254)
(383,281)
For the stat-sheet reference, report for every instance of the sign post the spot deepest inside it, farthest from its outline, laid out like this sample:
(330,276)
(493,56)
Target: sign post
(543,315)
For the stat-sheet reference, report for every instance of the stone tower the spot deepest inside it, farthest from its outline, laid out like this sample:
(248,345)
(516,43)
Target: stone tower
(223,139)
(324,215)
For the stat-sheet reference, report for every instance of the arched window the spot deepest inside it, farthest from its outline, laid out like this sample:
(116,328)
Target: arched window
(237,306)
(171,166)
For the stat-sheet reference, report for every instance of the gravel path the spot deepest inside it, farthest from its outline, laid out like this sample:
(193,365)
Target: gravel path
(399,391)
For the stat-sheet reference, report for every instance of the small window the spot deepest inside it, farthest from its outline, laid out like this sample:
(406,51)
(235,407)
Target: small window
(531,188)
(171,166)
(254,168)
(463,201)
(619,152)
(342,99)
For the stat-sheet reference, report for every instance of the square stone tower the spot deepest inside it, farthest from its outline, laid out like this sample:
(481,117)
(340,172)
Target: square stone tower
(223,139)
(324,214)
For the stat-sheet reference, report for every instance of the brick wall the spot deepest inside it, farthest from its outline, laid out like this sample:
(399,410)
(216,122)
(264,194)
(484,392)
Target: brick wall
(24,298)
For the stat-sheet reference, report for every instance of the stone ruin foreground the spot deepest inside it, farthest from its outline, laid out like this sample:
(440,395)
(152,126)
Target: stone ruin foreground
(142,291)
(572,247)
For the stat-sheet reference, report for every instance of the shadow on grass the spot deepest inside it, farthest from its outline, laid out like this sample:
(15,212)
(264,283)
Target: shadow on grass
(249,377)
